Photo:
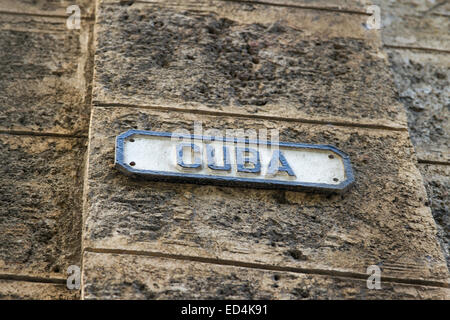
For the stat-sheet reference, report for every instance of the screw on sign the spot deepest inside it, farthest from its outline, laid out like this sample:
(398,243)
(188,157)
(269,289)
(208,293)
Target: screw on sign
(233,162)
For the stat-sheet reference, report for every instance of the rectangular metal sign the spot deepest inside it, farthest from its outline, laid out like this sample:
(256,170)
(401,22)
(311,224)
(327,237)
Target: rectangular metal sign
(233,161)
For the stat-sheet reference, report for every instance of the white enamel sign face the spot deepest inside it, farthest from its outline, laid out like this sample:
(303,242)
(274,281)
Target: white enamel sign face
(199,159)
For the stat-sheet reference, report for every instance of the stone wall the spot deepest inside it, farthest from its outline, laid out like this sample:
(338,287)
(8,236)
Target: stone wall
(310,69)
(416,38)
(44,119)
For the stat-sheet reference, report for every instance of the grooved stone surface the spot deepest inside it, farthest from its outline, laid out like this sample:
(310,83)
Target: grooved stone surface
(332,4)
(47,7)
(356,5)
(22,290)
(108,276)
(383,220)
(40,204)
(42,75)
(241,58)
(437,183)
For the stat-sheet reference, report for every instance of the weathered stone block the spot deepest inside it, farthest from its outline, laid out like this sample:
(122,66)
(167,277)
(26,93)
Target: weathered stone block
(416,23)
(43,76)
(110,276)
(23,290)
(423,82)
(40,204)
(383,220)
(413,7)
(238,58)
(437,183)
(47,7)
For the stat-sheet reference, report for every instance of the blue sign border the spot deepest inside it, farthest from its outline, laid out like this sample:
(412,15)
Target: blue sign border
(232,181)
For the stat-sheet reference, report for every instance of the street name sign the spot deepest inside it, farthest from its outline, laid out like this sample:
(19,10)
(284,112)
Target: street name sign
(233,161)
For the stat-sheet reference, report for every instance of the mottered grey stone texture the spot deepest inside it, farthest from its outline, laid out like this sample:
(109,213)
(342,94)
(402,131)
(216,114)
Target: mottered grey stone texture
(423,82)
(40,204)
(415,23)
(422,76)
(437,182)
